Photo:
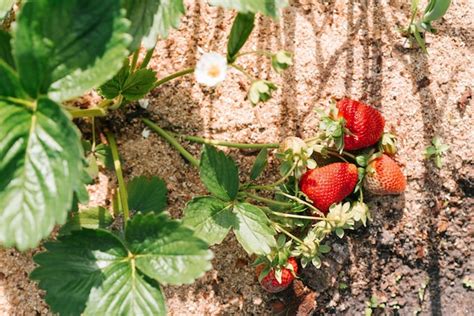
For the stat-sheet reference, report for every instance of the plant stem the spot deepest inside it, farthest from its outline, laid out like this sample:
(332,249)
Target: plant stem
(29,104)
(135,59)
(172,141)
(173,76)
(274,184)
(256,52)
(298,216)
(294,198)
(242,70)
(266,201)
(93,135)
(284,231)
(91,112)
(344,153)
(118,172)
(147,58)
(202,140)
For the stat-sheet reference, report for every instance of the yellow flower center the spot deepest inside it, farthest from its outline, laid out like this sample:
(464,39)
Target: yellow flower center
(214,71)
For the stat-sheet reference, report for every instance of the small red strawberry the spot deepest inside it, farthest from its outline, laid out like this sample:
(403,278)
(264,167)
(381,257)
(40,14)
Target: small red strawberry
(384,176)
(365,123)
(329,184)
(276,279)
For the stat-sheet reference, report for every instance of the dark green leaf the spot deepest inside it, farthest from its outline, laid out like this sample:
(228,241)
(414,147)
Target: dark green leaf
(165,250)
(210,218)
(92,218)
(6,48)
(253,229)
(267,7)
(138,84)
(219,173)
(147,195)
(113,88)
(152,19)
(240,32)
(90,272)
(9,82)
(260,164)
(68,47)
(104,156)
(41,163)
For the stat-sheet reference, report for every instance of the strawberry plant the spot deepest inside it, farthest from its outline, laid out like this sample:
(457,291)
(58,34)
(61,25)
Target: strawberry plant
(103,263)
(314,198)
(417,28)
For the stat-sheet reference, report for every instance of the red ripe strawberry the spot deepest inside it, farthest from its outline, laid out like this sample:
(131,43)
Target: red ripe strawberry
(364,122)
(329,184)
(270,281)
(384,176)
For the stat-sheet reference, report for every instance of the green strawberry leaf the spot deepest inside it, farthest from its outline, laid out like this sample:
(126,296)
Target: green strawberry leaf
(5,6)
(6,48)
(165,250)
(240,32)
(92,218)
(210,218)
(65,64)
(252,229)
(260,164)
(110,276)
(9,82)
(147,195)
(113,88)
(138,84)
(267,7)
(219,173)
(152,19)
(41,163)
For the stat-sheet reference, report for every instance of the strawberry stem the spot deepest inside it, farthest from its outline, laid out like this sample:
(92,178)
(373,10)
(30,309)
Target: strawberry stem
(284,231)
(266,201)
(122,190)
(340,155)
(201,140)
(300,201)
(274,184)
(298,216)
(173,76)
(173,142)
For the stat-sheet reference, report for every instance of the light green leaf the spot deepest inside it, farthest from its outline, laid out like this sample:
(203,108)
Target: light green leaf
(95,267)
(5,6)
(260,164)
(253,229)
(65,64)
(219,173)
(6,48)
(147,195)
(9,82)
(210,218)
(165,250)
(152,19)
(168,15)
(267,7)
(240,32)
(41,163)
(92,218)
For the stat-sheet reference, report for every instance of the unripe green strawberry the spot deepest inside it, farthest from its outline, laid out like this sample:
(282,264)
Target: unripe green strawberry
(329,184)
(384,176)
(269,280)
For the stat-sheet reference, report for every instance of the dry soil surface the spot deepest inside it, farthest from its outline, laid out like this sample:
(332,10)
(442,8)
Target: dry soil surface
(341,48)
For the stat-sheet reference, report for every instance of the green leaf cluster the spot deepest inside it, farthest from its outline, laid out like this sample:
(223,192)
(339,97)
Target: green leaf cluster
(112,275)
(212,217)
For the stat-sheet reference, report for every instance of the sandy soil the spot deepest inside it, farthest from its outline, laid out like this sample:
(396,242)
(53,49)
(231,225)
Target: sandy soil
(342,47)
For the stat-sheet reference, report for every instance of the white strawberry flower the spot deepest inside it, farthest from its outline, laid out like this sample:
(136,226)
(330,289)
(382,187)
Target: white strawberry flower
(211,69)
